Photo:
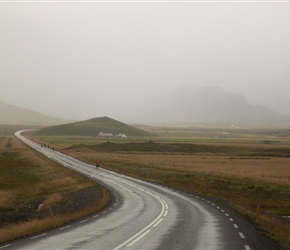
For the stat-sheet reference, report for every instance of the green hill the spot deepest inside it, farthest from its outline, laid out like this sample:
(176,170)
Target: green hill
(93,127)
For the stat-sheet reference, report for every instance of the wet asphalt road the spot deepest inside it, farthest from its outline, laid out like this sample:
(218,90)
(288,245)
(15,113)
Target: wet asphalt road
(144,215)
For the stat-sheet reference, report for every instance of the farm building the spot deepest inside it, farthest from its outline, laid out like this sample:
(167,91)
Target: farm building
(121,136)
(105,134)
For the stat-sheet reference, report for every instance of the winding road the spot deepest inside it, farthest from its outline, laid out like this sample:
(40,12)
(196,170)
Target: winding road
(143,215)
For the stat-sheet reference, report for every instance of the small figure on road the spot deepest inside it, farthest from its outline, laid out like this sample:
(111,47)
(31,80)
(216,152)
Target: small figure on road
(97,163)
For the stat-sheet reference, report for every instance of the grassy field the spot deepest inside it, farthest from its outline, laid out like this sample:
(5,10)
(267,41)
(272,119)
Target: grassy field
(28,179)
(243,172)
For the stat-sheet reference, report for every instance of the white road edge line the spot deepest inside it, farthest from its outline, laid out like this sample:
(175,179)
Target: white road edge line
(62,228)
(5,246)
(247,247)
(37,236)
(166,212)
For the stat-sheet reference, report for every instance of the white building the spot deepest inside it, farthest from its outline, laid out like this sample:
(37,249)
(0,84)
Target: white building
(105,134)
(121,136)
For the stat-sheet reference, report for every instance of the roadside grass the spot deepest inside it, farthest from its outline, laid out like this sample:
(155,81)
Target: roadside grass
(19,230)
(199,180)
(274,226)
(27,177)
(30,175)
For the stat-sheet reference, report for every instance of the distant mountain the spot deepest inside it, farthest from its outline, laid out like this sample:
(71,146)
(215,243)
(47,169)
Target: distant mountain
(215,105)
(93,127)
(13,115)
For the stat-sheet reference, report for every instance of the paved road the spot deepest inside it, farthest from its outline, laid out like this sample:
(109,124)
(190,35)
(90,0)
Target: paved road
(143,215)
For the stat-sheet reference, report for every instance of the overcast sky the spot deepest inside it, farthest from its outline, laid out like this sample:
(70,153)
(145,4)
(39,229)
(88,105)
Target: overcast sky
(82,60)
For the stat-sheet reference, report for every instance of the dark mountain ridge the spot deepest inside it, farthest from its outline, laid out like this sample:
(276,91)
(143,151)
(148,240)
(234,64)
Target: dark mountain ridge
(216,106)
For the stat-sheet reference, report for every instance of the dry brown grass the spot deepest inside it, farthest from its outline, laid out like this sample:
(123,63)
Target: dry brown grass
(274,169)
(52,199)
(10,142)
(19,230)
(5,198)
(276,226)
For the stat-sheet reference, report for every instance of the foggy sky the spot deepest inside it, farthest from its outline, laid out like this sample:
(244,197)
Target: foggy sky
(125,60)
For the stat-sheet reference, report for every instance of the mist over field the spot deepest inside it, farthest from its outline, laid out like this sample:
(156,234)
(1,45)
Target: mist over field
(149,62)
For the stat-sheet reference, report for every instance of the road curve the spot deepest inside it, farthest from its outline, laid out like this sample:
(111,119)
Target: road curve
(143,215)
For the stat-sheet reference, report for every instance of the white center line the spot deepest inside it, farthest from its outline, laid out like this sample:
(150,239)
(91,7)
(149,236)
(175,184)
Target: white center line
(138,238)
(242,235)
(64,227)
(158,223)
